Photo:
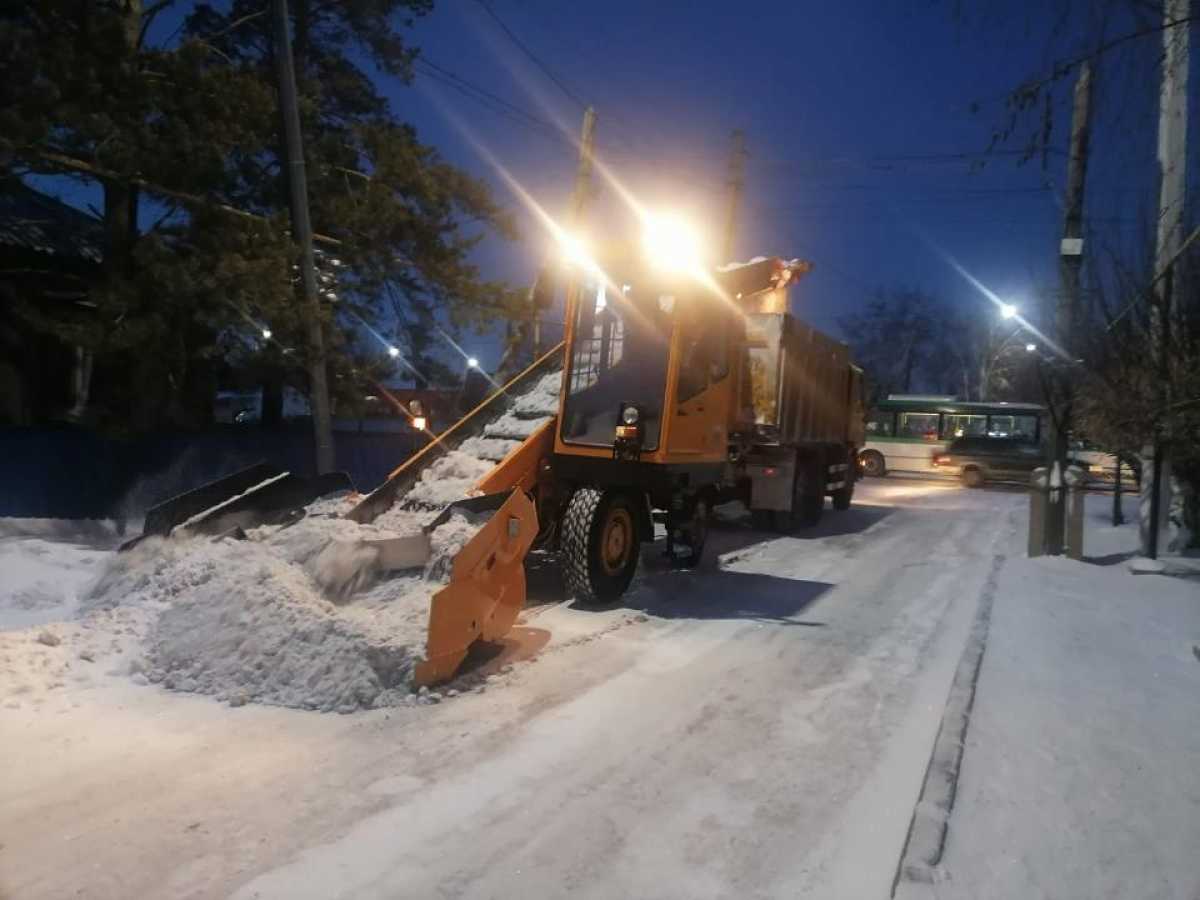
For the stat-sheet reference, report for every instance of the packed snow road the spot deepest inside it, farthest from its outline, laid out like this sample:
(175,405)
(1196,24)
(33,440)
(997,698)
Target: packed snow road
(759,728)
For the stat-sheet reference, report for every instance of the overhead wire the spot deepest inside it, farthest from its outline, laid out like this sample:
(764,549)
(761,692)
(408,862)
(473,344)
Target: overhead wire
(486,98)
(487,7)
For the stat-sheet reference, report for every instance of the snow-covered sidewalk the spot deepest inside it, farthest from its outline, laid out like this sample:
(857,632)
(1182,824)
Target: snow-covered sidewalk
(1080,775)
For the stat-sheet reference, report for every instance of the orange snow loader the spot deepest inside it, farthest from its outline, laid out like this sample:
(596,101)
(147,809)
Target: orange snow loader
(676,394)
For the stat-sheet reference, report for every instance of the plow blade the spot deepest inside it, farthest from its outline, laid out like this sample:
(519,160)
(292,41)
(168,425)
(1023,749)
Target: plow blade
(487,584)
(257,495)
(161,519)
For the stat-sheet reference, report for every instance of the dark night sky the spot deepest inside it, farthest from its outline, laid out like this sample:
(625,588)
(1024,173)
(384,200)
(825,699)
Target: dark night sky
(865,154)
(856,115)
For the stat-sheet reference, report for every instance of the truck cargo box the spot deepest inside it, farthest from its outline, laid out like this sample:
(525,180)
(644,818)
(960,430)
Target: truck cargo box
(802,387)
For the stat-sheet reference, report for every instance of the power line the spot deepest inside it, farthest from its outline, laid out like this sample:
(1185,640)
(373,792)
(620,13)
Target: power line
(486,98)
(533,56)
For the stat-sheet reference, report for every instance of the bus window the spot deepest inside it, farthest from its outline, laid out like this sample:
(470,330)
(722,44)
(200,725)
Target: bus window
(918,425)
(1021,428)
(881,424)
(956,426)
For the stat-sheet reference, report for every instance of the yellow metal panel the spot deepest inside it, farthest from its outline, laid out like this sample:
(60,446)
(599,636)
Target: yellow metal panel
(519,468)
(486,590)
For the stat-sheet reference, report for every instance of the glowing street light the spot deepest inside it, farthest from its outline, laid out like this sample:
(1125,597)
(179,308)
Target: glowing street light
(1007,310)
(472,363)
(1030,348)
(417,412)
(393,352)
(266,333)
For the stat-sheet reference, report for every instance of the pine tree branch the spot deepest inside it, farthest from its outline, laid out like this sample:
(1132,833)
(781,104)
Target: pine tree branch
(62,161)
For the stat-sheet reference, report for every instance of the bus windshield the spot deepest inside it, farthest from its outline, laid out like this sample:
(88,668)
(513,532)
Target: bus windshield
(619,357)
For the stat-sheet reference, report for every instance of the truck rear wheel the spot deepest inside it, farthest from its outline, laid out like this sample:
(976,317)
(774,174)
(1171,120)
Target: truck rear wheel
(600,545)
(843,496)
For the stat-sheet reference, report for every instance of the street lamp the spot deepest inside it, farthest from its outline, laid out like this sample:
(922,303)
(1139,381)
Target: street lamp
(393,352)
(1007,310)
(1030,348)
(266,333)
(472,363)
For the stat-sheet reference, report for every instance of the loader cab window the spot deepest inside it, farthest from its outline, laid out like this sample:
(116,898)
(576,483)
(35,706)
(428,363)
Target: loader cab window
(618,356)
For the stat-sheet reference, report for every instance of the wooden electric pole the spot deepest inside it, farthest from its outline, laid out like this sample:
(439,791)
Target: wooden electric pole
(583,173)
(1061,379)
(302,236)
(1172,149)
(580,196)
(736,184)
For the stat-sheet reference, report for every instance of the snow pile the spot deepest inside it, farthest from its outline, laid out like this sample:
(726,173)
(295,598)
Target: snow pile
(47,564)
(237,621)
(243,622)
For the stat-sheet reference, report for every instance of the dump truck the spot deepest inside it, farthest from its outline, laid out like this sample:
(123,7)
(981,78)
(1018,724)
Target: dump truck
(678,392)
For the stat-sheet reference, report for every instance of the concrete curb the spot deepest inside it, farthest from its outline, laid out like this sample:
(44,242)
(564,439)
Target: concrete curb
(927,831)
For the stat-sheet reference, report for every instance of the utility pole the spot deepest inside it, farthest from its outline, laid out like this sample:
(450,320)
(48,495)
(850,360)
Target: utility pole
(1172,138)
(580,196)
(583,174)
(736,184)
(302,236)
(1066,319)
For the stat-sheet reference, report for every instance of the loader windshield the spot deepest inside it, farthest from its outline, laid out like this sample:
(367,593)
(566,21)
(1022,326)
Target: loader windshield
(618,356)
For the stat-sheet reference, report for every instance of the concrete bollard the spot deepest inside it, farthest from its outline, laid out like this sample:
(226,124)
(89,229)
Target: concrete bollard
(1076,480)
(1071,490)
(1037,512)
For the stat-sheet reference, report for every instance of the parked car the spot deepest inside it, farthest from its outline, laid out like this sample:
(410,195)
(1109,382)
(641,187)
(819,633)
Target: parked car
(978,460)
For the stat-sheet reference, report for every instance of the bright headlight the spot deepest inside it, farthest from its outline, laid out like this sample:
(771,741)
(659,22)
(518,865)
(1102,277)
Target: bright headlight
(671,243)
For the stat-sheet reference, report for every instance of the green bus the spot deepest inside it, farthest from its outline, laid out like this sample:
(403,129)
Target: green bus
(906,430)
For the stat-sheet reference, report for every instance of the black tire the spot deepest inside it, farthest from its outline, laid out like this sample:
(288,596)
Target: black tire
(972,477)
(873,464)
(843,496)
(600,545)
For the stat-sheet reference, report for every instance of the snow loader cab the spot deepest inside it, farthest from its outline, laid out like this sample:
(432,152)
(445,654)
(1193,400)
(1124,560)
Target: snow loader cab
(683,392)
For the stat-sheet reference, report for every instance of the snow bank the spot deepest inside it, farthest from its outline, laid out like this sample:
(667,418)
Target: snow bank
(1078,777)
(46,565)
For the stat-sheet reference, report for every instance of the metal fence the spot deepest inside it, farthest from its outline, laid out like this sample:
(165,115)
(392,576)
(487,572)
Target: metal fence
(72,472)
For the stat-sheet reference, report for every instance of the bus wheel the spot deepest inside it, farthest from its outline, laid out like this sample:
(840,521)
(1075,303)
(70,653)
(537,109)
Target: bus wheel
(600,545)
(972,477)
(872,463)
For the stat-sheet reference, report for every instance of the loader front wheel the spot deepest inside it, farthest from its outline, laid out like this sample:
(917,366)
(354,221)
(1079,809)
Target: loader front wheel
(600,545)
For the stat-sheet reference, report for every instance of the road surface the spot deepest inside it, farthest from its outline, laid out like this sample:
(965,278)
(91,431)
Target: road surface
(759,728)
